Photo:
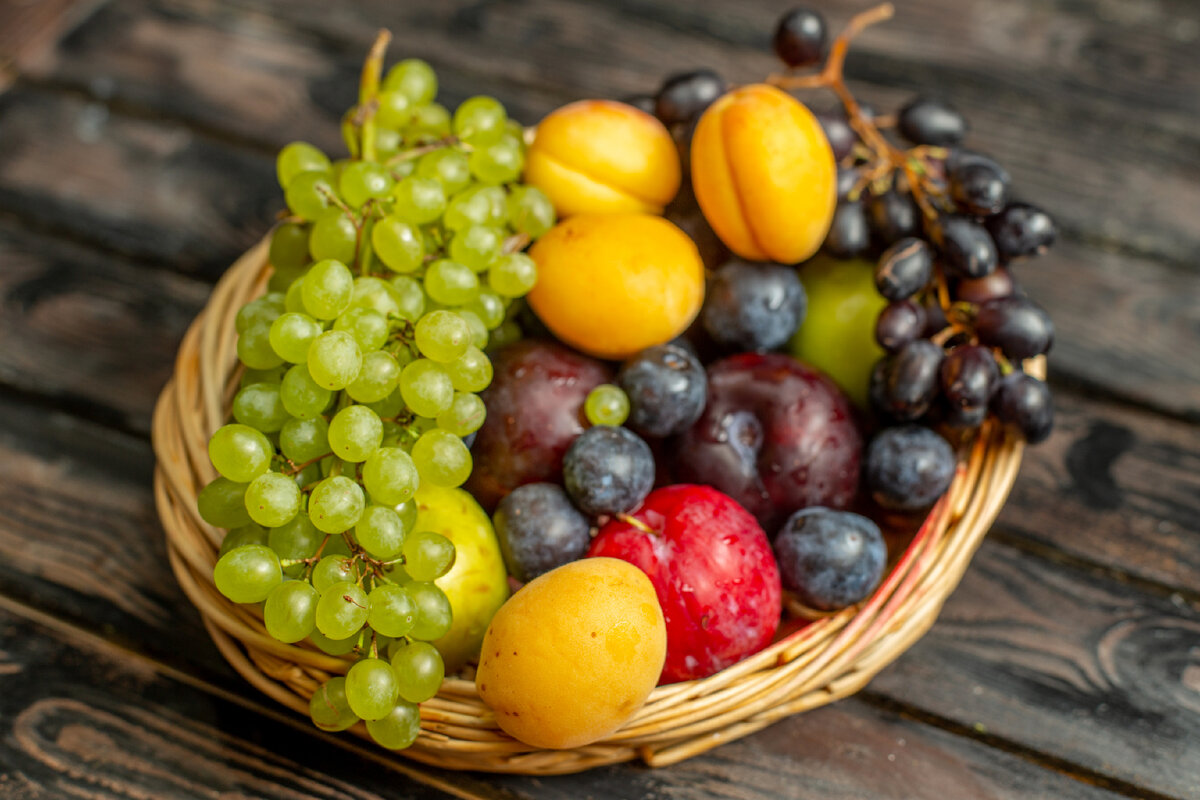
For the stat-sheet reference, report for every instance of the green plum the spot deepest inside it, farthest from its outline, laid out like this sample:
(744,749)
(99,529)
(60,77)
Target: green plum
(477,584)
(838,334)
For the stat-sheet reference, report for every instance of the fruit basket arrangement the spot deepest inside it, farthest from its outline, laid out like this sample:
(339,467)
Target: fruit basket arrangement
(730,468)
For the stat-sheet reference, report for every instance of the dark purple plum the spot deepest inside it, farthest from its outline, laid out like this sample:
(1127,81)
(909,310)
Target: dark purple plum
(753,306)
(608,470)
(666,387)
(908,467)
(830,559)
(538,530)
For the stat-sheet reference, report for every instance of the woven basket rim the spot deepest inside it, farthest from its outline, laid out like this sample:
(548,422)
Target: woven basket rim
(824,660)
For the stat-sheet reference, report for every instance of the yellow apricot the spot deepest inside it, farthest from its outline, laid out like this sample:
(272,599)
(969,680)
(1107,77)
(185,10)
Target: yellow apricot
(573,654)
(613,284)
(764,174)
(603,157)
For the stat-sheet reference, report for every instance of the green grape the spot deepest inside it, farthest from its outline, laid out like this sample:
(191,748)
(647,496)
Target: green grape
(508,332)
(390,476)
(294,297)
(414,79)
(381,533)
(434,616)
(247,574)
(393,432)
(419,670)
(308,195)
(333,647)
(390,406)
(301,395)
(342,610)
(477,246)
(419,200)
(333,569)
(295,539)
(254,347)
(606,405)
(240,453)
(270,376)
(451,283)
(530,211)
(480,121)
(499,162)
(479,331)
(258,405)
(333,237)
(442,335)
(470,372)
(334,360)
(355,433)
(309,475)
(372,292)
(429,122)
(447,166)
(388,142)
(335,504)
(282,278)
(377,379)
(368,327)
(263,309)
(513,275)
(442,458)
(328,289)
(398,244)
(272,499)
(364,180)
(394,111)
(464,416)
(488,306)
(328,708)
(469,207)
(290,613)
(393,611)
(410,297)
(250,533)
(399,729)
(426,387)
(296,158)
(291,334)
(371,688)
(428,556)
(222,504)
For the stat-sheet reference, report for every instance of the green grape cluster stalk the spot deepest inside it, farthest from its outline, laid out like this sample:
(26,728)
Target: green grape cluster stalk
(392,273)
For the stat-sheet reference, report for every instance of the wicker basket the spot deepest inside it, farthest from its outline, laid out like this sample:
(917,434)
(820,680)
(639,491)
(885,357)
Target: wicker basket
(827,659)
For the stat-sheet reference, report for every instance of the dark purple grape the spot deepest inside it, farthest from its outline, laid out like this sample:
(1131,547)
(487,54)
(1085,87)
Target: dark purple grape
(980,290)
(685,95)
(1024,401)
(848,235)
(830,559)
(960,418)
(909,468)
(893,216)
(1021,230)
(928,121)
(847,179)
(966,247)
(905,383)
(1018,326)
(960,158)
(935,315)
(978,189)
(899,323)
(801,39)
(608,470)
(538,530)
(904,268)
(969,375)
(839,133)
(667,389)
(642,102)
(753,306)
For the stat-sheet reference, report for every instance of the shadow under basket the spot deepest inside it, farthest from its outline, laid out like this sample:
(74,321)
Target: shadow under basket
(816,663)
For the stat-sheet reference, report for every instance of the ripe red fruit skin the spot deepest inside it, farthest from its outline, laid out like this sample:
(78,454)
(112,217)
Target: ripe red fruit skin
(713,570)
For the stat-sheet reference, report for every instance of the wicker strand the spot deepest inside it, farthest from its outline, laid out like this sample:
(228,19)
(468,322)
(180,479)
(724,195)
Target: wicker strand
(830,657)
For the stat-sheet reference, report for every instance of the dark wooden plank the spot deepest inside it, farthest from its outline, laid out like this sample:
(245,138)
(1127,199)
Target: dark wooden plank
(88,331)
(148,189)
(31,29)
(1066,663)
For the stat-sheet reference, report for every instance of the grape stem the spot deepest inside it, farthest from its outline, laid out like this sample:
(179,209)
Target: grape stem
(417,152)
(368,94)
(294,468)
(515,243)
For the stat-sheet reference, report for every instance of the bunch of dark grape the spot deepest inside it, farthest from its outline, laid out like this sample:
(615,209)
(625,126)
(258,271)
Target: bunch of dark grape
(393,271)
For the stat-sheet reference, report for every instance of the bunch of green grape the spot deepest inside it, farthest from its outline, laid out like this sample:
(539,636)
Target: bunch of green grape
(395,270)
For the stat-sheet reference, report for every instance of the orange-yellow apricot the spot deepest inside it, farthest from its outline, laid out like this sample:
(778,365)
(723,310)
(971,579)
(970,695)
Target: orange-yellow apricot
(613,284)
(603,157)
(764,174)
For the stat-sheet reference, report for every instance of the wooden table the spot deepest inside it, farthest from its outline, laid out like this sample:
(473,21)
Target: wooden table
(136,141)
